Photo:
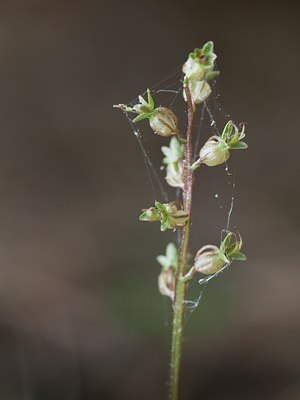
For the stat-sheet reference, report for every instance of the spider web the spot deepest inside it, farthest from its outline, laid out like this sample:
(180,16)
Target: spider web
(210,118)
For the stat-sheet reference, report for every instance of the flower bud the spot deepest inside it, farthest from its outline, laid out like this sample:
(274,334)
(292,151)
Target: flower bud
(168,214)
(166,283)
(152,214)
(214,152)
(207,260)
(163,122)
(193,69)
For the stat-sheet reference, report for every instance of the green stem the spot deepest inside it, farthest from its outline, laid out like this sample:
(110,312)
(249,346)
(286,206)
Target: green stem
(180,286)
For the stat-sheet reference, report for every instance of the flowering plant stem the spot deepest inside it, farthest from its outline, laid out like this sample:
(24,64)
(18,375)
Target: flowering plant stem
(180,285)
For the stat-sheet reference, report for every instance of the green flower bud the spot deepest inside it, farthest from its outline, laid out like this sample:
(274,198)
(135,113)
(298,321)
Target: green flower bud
(199,60)
(168,214)
(163,122)
(193,69)
(200,91)
(208,261)
(152,214)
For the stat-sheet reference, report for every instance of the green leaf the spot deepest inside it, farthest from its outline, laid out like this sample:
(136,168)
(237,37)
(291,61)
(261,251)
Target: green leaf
(150,100)
(143,217)
(142,116)
(238,146)
(182,140)
(233,248)
(227,131)
(164,225)
(239,257)
(160,206)
(226,242)
(143,101)
(211,75)
(208,48)
(223,257)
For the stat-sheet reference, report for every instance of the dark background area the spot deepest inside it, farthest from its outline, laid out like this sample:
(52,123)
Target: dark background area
(80,314)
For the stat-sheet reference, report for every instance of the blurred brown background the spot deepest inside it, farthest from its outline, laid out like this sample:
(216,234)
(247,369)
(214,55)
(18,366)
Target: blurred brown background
(80,314)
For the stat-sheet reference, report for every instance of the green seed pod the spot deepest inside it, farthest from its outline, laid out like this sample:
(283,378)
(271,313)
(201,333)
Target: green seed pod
(207,260)
(163,122)
(214,152)
(200,91)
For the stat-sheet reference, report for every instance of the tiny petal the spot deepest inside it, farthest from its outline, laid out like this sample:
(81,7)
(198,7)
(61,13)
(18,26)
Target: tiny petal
(174,175)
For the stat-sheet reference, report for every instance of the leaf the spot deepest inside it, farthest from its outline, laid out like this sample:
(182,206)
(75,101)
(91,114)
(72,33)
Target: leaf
(182,140)
(150,100)
(238,146)
(233,248)
(160,206)
(211,75)
(208,48)
(226,242)
(141,117)
(143,217)
(164,225)
(223,258)
(227,131)
(143,101)
(239,257)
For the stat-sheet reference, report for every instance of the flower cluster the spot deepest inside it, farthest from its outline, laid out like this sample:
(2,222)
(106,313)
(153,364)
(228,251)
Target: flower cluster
(168,214)
(198,70)
(173,160)
(216,150)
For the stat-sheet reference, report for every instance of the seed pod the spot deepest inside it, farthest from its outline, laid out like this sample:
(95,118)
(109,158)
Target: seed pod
(200,91)
(193,69)
(207,260)
(163,122)
(214,152)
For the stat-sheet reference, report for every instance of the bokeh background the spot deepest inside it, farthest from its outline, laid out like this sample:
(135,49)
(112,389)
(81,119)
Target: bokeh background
(80,314)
